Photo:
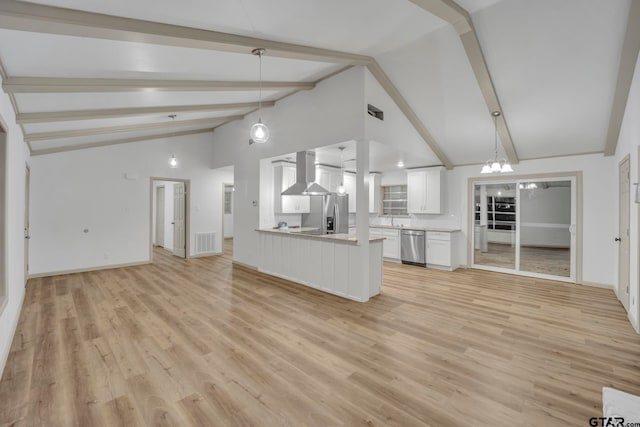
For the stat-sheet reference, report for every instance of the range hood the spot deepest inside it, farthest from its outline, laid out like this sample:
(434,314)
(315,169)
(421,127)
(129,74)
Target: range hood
(305,177)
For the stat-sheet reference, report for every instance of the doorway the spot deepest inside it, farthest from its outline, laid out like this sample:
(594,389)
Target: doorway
(623,230)
(227,217)
(3,215)
(160,208)
(526,226)
(27,229)
(169,216)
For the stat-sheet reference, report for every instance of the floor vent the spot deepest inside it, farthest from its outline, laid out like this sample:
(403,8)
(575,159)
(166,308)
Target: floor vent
(205,242)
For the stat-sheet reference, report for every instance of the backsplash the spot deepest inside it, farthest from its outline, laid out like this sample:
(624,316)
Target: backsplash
(417,220)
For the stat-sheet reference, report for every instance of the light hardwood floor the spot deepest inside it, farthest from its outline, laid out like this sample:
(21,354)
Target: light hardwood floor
(201,342)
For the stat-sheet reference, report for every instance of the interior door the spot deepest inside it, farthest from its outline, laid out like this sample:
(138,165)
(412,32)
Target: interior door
(179,221)
(27,235)
(160,216)
(623,233)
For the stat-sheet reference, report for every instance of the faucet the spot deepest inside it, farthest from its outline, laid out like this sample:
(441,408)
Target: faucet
(392,220)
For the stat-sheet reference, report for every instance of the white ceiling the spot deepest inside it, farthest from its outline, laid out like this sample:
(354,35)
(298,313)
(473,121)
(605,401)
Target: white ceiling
(364,26)
(554,65)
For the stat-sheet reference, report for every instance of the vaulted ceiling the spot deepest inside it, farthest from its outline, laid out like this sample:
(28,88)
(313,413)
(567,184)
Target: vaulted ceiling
(85,73)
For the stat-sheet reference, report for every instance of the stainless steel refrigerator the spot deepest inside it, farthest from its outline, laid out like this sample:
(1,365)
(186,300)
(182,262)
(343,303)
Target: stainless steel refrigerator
(328,213)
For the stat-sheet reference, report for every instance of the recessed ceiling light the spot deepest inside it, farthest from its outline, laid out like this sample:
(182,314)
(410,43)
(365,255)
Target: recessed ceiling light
(400,164)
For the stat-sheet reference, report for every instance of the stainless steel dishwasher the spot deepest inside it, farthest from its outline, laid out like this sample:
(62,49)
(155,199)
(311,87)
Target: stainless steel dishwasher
(413,248)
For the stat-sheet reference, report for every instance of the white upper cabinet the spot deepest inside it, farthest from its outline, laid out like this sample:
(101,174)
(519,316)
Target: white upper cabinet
(375,182)
(328,178)
(350,188)
(424,191)
(284,176)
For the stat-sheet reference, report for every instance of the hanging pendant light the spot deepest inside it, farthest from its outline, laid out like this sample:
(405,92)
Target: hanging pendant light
(494,165)
(173,162)
(341,189)
(259,131)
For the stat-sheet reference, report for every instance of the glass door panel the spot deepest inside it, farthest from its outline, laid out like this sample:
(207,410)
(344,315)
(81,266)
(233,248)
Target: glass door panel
(495,225)
(546,230)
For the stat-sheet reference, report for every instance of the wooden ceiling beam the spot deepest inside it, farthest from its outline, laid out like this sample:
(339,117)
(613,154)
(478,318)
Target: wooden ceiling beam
(41,152)
(80,85)
(626,70)
(23,16)
(406,109)
(111,113)
(74,133)
(451,12)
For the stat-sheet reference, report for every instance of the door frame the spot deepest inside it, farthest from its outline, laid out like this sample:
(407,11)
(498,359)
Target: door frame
(164,195)
(27,225)
(577,175)
(224,184)
(4,223)
(626,158)
(187,213)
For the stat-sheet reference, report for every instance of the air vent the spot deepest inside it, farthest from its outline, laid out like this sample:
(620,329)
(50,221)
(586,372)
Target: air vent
(205,243)
(375,112)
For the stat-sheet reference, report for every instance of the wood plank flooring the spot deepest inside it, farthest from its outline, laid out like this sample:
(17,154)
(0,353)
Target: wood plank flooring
(204,343)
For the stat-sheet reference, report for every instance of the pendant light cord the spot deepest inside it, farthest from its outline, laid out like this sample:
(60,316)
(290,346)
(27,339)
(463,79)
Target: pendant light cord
(495,127)
(260,91)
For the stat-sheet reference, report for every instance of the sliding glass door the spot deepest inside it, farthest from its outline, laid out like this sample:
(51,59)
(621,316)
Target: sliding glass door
(527,227)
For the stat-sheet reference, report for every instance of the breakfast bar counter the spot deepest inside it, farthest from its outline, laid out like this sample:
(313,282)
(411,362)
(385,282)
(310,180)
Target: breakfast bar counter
(333,263)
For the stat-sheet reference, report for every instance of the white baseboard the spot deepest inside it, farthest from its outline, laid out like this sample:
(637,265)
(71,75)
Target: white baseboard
(599,285)
(242,264)
(13,328)
(86,270)
(635,324)
(206,254)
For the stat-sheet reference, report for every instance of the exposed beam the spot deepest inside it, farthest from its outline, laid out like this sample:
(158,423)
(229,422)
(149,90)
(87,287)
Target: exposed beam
(413,118)
(67,116)
(630,50)
(73,133)
(23,16)
(451,12)
(71,85)
(118,141)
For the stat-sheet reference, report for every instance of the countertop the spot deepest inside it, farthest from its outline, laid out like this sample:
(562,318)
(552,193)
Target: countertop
(301,232)
(395,227)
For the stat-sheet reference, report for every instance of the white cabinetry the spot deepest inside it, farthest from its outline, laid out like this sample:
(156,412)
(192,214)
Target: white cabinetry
(440,247)
(350,188)
(375,180)
(284,176)
(391,242)
(328,178)
(424,191)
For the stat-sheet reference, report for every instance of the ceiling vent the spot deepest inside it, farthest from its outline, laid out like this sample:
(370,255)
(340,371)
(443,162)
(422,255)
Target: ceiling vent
(375,112)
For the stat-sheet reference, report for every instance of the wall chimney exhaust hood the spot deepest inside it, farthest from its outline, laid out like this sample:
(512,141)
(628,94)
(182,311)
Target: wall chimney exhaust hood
(305,177)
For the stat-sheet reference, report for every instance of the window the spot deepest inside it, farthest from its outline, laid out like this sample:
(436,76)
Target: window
(228,199)
(394,200)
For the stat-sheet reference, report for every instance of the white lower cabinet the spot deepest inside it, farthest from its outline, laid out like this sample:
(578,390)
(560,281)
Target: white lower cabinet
(391,244)
(440,250)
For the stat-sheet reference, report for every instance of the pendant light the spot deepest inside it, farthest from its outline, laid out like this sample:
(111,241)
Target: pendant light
(173,162)
(341,189)
(259,131)
(494,165)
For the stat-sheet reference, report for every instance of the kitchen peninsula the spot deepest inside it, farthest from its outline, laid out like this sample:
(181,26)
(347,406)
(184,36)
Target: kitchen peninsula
(331,263)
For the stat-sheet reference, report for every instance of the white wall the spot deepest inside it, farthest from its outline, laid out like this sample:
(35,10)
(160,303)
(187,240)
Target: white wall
(13,250)
(168,213)
(87,189)
(628,143)
(331,113)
